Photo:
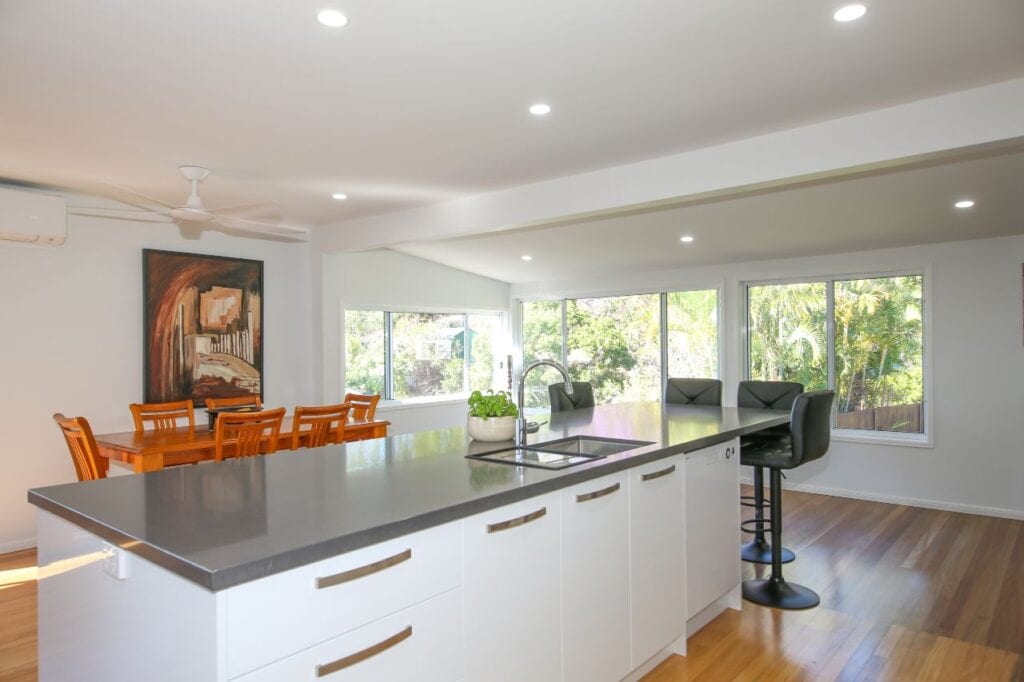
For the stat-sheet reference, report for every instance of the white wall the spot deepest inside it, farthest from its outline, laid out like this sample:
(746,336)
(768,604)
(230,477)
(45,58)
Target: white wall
(977,357)
(71,330)
(389,279)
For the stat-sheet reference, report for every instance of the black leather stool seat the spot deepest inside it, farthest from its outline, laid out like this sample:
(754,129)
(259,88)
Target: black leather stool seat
(775,452)
(694,392)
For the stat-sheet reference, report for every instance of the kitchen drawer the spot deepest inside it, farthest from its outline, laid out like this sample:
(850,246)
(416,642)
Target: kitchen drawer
(423,643)
(277,616)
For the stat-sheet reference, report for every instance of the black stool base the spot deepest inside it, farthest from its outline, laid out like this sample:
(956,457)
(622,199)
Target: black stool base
(779,594)
(757,552)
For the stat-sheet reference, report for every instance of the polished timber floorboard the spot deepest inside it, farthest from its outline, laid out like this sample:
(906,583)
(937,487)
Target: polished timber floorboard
(906,594)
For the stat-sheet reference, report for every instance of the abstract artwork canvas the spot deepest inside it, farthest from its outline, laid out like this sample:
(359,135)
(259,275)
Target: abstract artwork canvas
(203,318)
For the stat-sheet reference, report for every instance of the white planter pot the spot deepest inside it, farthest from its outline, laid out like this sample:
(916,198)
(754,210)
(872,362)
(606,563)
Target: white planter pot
(492,428)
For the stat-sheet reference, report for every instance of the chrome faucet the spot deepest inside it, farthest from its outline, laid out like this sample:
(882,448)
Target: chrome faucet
(521,421)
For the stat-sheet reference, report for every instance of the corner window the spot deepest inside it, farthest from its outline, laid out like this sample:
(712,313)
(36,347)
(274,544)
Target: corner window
(617,343)
(409,355)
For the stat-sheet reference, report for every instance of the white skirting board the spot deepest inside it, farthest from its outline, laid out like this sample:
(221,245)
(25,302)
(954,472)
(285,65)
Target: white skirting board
(998,512)
(16,545)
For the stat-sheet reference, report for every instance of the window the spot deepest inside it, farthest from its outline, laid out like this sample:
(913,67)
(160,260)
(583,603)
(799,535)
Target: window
(364,351)
(787,332)
(404,355)
(693,333)
(615,343)
(875,360)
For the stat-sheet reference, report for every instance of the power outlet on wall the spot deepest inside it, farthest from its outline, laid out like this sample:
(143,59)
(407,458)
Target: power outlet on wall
(115,562)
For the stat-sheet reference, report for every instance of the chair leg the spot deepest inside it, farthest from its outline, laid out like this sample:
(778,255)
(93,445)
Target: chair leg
(758,551)
(774,591)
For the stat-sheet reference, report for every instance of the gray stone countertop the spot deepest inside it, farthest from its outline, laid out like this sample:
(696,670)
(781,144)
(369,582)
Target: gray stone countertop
(223,524)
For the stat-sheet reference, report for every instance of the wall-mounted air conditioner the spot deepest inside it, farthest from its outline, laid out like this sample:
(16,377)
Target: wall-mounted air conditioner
(32,217)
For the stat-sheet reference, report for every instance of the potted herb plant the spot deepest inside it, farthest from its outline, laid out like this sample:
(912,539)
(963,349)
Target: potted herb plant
(492,416)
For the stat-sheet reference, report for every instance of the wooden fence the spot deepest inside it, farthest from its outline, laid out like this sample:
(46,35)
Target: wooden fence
(906,418)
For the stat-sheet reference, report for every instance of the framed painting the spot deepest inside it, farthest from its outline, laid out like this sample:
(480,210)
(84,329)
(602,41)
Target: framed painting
(203,326)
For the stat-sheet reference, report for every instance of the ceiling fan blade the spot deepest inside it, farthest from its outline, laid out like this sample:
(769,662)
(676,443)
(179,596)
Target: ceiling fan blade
(299,234)
(258,208)
(119,214)
(146,202)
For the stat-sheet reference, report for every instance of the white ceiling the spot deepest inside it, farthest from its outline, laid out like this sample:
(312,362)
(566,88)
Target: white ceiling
(418,102)
(896,208)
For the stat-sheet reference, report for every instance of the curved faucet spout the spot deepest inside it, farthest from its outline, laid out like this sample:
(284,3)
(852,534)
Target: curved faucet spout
(521,421)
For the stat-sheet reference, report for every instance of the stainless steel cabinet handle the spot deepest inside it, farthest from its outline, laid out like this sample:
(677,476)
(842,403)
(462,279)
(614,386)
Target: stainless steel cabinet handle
(370,651)
(586,497)
(657,474)
(518,521)
(363,571)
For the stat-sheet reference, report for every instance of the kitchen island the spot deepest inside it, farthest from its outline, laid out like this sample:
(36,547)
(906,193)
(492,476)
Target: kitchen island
(399,558)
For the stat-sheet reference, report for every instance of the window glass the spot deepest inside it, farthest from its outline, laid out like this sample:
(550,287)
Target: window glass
(879,354)
(787,333)
(486,364)
(614,343)
(693,333)
(364,352)
(427,354)
(542,340)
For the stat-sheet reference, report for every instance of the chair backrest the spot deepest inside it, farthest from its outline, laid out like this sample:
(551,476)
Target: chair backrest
(811,425)
(694,392)
(250,433)
(84,453)
(316,426)
(582,396)
(363,406)
(768,395)
(238,401)
(162,416)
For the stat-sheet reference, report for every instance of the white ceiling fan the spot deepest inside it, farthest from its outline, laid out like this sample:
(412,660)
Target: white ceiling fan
(193,212)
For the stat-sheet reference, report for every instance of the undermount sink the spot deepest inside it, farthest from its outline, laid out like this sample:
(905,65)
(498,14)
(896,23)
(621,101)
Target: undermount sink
(560,453)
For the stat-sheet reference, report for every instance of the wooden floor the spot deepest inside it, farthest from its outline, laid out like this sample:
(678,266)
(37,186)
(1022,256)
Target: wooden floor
(906,594)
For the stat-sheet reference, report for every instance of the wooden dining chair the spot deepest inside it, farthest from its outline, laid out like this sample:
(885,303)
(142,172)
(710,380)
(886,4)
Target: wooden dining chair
(247,433)
(363,406)
(238,401)
(82,444)
(316,426)
(162,416)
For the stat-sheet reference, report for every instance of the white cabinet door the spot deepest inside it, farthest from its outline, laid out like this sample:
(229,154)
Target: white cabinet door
(657,568)
(595,579)
(712,525)
(512,588)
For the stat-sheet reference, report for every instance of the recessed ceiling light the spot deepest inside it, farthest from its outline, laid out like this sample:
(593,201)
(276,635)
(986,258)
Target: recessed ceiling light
(964,203)
(850,12)
(332,18)
(686,239)
(340,196)
(527,257)
(540,109)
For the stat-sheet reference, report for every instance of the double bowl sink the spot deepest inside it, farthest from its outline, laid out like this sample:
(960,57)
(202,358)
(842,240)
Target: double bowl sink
(561,453)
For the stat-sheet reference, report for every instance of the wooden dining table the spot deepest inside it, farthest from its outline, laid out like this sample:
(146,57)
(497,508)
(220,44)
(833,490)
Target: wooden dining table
(154,450)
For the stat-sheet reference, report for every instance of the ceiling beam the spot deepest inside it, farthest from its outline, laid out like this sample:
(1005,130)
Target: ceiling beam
(876,139)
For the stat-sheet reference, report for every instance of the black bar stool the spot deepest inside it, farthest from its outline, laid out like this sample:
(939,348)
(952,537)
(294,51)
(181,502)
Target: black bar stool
(582,396)
(694,392)
(810,434)
(767,395)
